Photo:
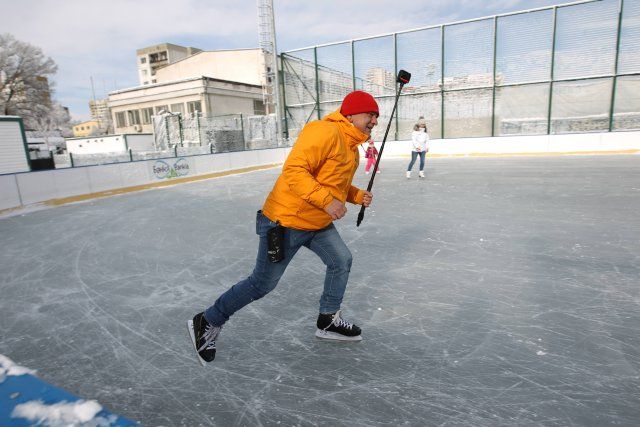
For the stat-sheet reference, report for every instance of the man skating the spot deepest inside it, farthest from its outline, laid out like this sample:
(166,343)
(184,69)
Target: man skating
(307,197)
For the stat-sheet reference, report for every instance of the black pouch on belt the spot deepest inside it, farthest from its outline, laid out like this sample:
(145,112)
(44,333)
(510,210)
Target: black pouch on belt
(275,243)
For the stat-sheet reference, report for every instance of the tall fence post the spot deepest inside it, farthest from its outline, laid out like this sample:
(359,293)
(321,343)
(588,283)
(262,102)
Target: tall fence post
(315,63)
(552,72)
(244,140)
(614,84)
(395,73)
(198,128)
(493,96)
(71,159)
(442,82)
(284,98)
(353,65)
(166,128)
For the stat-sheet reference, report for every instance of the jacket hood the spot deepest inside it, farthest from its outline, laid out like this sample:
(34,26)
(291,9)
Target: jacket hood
(355,136)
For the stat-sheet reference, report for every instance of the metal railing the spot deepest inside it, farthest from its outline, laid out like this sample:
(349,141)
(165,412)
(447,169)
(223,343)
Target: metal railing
(175,136)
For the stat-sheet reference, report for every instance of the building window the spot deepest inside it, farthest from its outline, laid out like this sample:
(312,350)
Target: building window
(194,107)
(177,108)
(158,57)
(161,109)
(143,60)
(146,115)
(258,107)
(121,120)
(134,117)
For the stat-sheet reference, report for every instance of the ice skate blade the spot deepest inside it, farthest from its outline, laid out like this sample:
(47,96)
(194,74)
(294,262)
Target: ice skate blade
(332,336)
(193,341)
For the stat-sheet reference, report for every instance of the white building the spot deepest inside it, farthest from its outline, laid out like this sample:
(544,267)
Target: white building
(132,109)
(188,81)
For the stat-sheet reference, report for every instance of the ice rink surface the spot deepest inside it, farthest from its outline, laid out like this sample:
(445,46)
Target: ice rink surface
(495,292)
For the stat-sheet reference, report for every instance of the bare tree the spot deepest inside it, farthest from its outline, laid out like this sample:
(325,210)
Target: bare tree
(55,121)
(25,89)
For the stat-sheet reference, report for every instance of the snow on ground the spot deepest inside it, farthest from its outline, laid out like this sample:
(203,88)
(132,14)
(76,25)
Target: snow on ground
(64,414)
(9,368)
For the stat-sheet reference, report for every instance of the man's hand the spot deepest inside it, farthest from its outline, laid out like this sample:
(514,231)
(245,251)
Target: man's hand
(366,200)
(336,209)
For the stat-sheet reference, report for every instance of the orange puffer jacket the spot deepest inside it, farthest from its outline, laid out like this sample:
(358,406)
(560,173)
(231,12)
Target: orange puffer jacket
(319,168)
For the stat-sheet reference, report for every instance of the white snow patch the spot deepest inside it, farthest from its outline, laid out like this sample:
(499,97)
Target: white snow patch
(63,414)
(8,368)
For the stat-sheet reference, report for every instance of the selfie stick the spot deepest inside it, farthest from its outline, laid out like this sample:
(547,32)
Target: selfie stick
(403,78)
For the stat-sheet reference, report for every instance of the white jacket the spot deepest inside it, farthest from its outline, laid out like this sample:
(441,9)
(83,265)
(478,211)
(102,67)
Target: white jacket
(419,140)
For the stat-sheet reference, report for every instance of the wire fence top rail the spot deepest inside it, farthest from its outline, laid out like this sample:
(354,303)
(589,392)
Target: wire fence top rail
(448,24)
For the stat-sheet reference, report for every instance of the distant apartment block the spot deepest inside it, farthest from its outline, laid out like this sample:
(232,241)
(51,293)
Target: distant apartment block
(379,81)
(153,57)
(99,110)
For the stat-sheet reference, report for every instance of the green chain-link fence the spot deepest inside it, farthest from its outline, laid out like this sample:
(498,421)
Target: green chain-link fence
(562,69)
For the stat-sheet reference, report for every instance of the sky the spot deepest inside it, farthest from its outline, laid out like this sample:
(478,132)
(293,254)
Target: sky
(97,40)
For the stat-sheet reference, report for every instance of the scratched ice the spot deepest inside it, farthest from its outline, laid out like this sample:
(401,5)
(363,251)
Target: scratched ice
(496,292)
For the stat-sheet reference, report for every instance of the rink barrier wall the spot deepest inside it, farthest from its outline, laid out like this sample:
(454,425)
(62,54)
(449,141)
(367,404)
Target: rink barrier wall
(59,186)
(583,143)
(54,187)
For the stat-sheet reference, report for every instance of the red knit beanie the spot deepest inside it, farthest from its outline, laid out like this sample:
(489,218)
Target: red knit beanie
(359,102)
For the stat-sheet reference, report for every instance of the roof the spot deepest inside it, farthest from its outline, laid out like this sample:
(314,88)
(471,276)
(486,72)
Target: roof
(211,79)
(85,122)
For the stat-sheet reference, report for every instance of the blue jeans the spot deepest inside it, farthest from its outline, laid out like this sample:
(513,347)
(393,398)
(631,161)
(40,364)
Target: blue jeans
(414,156)
(326,243)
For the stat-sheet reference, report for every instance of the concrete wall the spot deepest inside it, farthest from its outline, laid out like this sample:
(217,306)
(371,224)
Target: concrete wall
(223,104)
(244,66)
(111,143)
(140,141)
(24,189)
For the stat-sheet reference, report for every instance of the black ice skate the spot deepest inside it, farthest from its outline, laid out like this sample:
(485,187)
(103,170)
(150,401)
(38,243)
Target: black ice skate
(334,327)
(203,335)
